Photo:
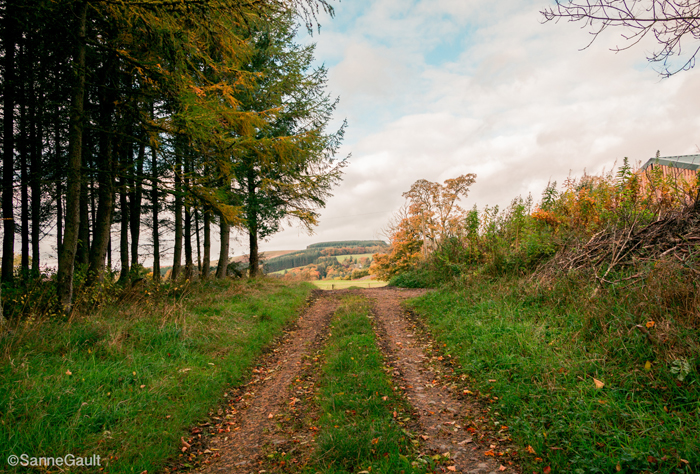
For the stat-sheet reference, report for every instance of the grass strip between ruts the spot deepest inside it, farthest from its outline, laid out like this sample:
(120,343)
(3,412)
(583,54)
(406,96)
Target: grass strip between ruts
(360,428)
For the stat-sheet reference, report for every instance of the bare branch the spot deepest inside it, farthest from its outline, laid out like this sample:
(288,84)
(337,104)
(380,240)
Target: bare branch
(669,21)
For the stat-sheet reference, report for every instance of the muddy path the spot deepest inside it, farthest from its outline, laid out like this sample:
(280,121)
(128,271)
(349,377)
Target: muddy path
(257,418)
(246,424)
(449,420)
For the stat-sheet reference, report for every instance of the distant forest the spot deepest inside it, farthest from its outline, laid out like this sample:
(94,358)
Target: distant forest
(315,251)
(349,243)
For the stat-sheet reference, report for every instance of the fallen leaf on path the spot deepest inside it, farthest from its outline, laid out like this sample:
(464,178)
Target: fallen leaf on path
(489,453)
(502,468)
(451,468)
(185,444)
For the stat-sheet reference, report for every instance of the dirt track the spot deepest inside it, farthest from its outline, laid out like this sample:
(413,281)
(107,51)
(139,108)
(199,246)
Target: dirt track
(447,420)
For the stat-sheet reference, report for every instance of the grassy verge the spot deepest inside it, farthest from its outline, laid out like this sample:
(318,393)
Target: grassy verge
(343,284)
(125,382)
(361,423)
(583,389)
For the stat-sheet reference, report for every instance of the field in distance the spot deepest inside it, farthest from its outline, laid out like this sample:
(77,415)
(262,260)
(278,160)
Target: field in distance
(342,284)
(342,258)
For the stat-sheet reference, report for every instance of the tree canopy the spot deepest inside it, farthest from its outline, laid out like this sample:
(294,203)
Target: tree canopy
(151,114)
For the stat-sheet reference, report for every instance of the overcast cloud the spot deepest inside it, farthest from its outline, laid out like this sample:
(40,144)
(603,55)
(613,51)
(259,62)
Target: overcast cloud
(436,88)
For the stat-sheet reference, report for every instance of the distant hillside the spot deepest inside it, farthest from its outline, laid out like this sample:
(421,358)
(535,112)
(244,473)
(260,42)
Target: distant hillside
(264,255)
(324,249)
(349,243)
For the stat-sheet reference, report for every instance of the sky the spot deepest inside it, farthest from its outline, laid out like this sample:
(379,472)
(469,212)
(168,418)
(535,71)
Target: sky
(433,89)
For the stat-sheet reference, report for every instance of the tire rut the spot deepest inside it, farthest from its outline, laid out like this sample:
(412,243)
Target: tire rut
(444,420)
(238,451)
(443,417)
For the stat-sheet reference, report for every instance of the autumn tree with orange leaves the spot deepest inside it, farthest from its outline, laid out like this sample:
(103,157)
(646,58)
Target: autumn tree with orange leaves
(432,213)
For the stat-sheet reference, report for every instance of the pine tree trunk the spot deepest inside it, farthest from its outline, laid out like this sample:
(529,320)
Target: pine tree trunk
(22,148)
(83,251)
(135,212)
(189,267)
(177,251)
(59,188)
(223,254)
(70,241)
(253,259)
(24,174)
(196,233)
(105,179)
(154,215)
(35,183)
(206,261)
(8,244)
(124,234)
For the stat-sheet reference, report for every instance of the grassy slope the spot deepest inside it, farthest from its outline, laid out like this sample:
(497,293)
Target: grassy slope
(125,382)
(342,258)
(539,355)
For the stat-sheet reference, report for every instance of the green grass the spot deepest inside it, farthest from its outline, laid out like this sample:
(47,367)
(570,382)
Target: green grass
(342,258)
(358,429)
(126,382)
(539,351)
(343,284)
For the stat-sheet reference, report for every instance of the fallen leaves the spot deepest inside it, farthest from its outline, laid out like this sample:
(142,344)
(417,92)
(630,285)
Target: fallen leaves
(185,445)
(530,449)
(598,383)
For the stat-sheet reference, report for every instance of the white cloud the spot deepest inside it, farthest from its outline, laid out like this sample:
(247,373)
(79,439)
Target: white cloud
(517,102)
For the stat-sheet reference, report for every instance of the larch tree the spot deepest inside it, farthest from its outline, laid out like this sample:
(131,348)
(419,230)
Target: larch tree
(289,171)
(94,95)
